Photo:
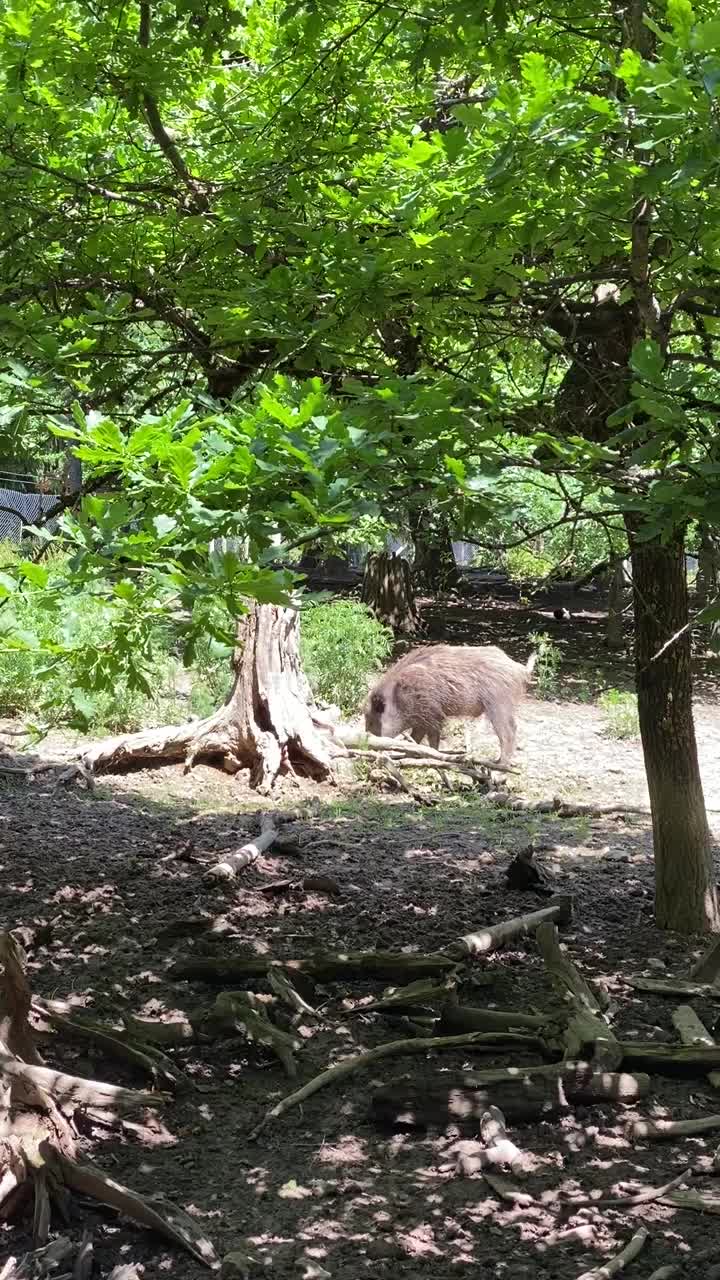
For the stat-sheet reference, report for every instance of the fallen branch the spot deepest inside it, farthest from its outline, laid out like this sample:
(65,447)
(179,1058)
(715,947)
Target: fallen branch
(355,740)
(231,863)
(702,1201)
(394,1048)
(617,1264)
(488,939)
(675,987)
(668,1130)
(636,1201)
(457,1018)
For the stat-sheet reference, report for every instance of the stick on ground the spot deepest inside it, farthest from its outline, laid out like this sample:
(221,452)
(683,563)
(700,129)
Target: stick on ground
(615,1265)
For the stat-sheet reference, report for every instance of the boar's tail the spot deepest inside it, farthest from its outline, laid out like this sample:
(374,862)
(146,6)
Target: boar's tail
(530,666)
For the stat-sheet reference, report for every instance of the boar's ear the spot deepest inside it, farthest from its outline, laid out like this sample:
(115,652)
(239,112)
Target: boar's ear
(377,702)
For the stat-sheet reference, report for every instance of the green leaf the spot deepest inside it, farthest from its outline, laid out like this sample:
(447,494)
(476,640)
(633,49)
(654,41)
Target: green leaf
(163,525)
(37,574)
(705,37)
(647,360)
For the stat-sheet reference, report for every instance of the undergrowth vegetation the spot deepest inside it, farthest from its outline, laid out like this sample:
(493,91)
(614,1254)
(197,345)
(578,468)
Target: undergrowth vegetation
(621,713)
(341,644)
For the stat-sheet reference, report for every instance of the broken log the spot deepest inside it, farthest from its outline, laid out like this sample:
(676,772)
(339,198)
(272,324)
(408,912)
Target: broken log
(457,1018)
(587,1025)
(325,967)
(231,863)
(669,1059)
(488,939)
(393,1048)
(689,1026)
(434,1101)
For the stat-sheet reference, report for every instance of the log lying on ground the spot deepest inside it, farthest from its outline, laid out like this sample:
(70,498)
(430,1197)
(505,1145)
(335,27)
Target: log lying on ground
(434,1100)
(394,1048)
(587,1025)
(385,965)
(457,1018)
(675,987)
(689,1026)
(582,1082)
(116,1043)
(670,1060)
(231,863)
(488,939)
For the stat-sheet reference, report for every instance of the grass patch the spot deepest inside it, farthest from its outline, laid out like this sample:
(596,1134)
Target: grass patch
(621,713)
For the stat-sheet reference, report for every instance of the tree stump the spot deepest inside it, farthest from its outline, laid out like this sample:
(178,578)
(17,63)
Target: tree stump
(387,590)
(268,724)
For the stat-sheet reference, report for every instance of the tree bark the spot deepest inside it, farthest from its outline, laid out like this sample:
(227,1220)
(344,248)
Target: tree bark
(434,569)
(387,590)
(268,724)
(685,894)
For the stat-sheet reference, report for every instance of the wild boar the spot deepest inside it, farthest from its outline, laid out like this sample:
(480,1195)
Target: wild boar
(432,685)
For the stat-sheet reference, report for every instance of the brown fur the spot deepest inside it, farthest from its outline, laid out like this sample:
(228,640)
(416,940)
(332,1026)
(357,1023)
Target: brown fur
(432,685)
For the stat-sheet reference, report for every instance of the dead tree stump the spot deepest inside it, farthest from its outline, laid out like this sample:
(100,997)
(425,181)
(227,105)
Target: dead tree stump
(268,724)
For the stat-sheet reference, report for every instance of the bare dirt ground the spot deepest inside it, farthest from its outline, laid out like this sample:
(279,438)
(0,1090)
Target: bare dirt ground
(324,1191)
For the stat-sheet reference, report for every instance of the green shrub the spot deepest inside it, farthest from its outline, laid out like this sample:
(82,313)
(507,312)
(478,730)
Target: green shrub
(547,666)
(342,644)
(621,713)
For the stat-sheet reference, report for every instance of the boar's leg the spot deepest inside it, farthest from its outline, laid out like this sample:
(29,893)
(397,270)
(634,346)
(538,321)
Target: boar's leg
(503,722)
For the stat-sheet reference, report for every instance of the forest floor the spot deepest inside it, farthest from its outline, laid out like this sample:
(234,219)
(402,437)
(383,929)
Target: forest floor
(323,1191)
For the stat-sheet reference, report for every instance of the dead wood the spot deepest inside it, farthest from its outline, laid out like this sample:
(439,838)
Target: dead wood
(494,1150)
(394,1048)
(488,939)
(671,1060)
(668,1130)
(325,967)
(241,1013)
(432,1100)
(282,986)
(633,1201)
(587,1025)
(358,740)
(269,723)
(563,809)
(617,1264)
(689,1026)
(423,994)
(507,1190)
(15,1000)
(231,863)
(159,1216)
(50,1260)
(70,1091)
(675,987)
(707,968)
(701,1201)
(117,1044)
(458,1018)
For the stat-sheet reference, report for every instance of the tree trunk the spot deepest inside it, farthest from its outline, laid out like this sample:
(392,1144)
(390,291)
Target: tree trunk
(616,601)
(387,590)
(268,724)
(685,894)
(434,569)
